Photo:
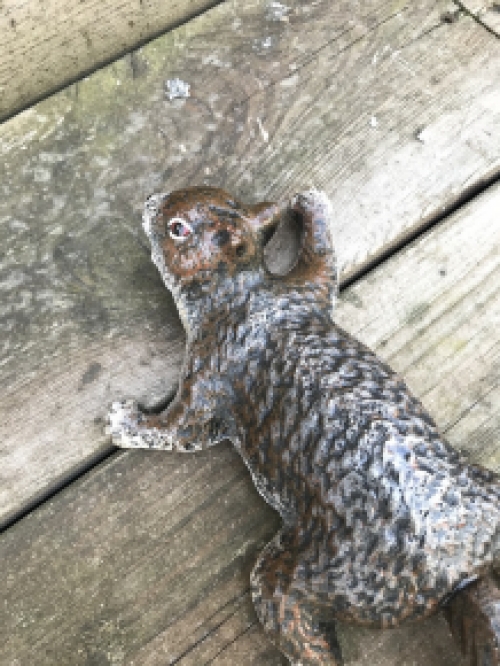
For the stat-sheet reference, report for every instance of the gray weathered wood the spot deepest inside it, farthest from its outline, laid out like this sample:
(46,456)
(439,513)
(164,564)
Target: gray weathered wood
(358,104)
(487,13)
(46,45)
(145,560)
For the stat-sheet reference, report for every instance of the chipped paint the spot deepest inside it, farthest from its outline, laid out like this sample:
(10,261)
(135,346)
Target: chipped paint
(177,89)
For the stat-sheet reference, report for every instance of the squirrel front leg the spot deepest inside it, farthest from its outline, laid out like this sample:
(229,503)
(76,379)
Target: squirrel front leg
(198,417)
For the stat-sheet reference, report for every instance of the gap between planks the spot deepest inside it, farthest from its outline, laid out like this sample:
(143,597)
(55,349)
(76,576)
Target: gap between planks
(487,14)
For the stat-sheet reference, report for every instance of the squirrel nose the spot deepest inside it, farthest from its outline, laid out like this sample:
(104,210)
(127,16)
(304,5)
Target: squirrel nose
(149,213)
(151,208)
(154,200)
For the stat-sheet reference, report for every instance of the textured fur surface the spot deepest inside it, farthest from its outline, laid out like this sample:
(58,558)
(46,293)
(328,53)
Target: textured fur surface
(382,520)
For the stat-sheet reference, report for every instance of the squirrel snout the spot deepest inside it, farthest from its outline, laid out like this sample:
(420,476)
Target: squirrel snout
(150,211)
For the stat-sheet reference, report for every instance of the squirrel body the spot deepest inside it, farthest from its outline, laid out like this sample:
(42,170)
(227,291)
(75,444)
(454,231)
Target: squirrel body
(382,519)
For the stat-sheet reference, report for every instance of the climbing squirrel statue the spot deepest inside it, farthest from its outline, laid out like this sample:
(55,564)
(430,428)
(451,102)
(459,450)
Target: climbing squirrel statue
(382,520)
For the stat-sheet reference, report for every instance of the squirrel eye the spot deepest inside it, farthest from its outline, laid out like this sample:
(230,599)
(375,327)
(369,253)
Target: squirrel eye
(179,229)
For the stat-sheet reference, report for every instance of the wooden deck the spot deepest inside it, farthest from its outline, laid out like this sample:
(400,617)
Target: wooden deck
(142,558)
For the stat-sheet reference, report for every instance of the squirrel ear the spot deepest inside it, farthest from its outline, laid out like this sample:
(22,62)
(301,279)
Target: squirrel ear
(295,236)
(283,242)
(314,210)
(278,234)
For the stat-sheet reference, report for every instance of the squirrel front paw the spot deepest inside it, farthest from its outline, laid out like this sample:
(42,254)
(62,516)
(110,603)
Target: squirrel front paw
(123,419)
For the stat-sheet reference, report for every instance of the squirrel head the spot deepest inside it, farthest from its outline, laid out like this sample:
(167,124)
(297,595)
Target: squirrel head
(206,244)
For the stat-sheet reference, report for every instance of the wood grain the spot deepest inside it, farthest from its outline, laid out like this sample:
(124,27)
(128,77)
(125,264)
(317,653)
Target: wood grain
(146,559)
(47,45)
(486,13)
(358,104)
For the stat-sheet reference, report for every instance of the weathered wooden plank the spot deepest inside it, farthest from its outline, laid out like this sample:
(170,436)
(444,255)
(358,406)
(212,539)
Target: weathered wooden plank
(71,284)
(487,13)
(272,108)
(146,559)
(47,45)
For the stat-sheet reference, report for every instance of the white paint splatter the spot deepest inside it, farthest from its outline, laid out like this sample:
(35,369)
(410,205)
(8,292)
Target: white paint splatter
(262,44)
(421,135)
(177,89)
(263,132)
(213,59)
(276,11)
(290,81)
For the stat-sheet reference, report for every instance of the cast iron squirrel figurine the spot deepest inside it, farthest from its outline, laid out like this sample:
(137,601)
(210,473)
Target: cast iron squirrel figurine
(382,520)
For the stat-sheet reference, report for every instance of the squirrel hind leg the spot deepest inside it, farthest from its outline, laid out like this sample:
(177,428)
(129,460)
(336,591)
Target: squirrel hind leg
(302,630)
(473,615)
